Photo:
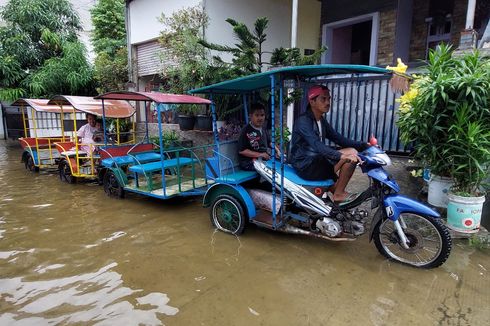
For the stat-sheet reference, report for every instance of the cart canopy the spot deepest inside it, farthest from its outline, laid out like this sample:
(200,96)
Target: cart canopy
(112,108)
(40,105)
(160,98)
(263,80)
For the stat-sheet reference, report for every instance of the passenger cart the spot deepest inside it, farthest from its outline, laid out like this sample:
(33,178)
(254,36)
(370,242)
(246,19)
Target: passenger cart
(43,127)
(151,169)
(78,160)
(403,229)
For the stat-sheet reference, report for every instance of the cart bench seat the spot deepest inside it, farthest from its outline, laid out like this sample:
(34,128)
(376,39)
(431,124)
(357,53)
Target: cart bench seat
(157,166)
(128,159)
(238,176)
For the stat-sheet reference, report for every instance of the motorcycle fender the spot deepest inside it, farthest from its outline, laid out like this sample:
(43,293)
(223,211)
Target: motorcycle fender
(397,204)
(383,177)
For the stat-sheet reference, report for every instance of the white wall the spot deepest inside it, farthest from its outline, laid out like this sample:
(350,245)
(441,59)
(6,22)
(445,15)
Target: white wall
(277,11)
(309,12)
(144,16)
(144,24)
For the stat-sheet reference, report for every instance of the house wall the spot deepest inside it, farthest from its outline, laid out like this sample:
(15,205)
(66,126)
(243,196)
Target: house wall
(219,31)
(418,38)
(144,14)
(309,28)
(386,37)
(334,11)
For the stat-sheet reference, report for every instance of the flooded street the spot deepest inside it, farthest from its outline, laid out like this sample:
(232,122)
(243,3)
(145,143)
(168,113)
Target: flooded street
(71,255)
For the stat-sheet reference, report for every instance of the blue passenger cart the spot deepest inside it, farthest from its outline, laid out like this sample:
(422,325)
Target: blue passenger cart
(151,169)
(402,228)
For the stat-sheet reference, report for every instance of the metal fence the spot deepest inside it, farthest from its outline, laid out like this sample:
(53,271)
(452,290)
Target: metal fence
(362,106)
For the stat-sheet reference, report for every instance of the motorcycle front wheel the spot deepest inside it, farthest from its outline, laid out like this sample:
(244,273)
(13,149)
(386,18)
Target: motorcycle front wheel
(430,241)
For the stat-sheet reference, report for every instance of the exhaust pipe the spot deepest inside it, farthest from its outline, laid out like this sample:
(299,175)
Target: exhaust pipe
(294,230)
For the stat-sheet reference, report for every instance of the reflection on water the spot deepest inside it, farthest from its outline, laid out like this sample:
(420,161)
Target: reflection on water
(71,255)
(92,297)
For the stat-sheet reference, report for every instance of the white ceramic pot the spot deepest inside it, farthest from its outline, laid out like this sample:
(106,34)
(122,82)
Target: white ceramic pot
(438,189)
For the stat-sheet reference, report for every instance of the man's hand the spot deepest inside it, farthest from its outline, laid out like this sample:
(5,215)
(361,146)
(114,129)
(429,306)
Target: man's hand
(351,158)
(265,156)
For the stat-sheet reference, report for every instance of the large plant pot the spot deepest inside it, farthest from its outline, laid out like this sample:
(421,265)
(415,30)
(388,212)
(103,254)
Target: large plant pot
(464,213)
(220,123)
(438,189)
(204,122)
(186,122)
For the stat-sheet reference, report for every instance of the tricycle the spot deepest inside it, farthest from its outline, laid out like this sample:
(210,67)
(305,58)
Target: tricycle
(402,228)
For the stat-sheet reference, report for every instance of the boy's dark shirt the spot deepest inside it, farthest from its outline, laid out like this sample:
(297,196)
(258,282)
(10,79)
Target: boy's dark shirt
(254,140)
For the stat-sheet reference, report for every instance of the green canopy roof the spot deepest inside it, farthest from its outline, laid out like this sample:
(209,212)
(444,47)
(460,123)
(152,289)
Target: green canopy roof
(263,80)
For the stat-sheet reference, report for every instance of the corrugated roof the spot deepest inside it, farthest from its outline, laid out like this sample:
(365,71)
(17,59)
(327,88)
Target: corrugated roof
(155,97)
(113,108)
(40,105)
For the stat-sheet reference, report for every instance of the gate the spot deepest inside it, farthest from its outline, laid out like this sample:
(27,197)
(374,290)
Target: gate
(362,106)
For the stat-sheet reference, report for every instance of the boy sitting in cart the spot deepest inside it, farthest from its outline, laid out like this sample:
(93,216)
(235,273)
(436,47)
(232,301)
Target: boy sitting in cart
(253,142)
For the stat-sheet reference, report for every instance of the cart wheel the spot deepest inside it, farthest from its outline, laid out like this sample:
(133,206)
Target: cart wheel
(111,185)
(65,172)
(30,164)
(227,214)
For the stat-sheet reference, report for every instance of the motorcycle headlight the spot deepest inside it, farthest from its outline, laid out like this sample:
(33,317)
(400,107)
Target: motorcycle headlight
(382,159)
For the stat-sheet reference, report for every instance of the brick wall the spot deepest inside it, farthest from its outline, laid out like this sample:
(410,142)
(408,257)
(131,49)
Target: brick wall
(386,37)
(459,21)
(418,37)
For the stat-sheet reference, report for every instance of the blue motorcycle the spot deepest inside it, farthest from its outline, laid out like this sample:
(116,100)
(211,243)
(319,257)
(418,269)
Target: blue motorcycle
(402,228)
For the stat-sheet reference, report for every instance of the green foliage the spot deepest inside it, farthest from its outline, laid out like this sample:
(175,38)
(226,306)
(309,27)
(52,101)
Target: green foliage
(170,138)
(186,63)
(447,116)
(109,33)
(35,33)
(109,41)
(68,74)
(292,57)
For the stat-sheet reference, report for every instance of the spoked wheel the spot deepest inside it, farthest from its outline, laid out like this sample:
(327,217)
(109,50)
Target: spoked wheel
(111,185)
(430,241)
(29,163)
(227,214)
(65,172)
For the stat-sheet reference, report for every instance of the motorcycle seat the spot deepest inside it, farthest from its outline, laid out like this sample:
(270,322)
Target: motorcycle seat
(291,175)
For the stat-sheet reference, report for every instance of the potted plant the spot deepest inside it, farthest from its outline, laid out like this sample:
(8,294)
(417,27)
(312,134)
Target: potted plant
(203,120)
(423,121)
(186,116)
(447,116)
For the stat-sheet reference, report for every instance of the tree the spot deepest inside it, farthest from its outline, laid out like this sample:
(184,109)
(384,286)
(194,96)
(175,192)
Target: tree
(37,33)
(109,41)
(247,54)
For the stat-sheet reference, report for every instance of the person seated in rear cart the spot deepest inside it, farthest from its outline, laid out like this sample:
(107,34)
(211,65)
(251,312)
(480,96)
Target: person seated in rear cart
(312,159)
(253,142)
(86,133)
(99,133)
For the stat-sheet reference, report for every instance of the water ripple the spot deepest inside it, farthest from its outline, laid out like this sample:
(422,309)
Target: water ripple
(98,297)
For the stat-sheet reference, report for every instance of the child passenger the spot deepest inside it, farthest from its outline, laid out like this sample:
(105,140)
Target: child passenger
(253,142)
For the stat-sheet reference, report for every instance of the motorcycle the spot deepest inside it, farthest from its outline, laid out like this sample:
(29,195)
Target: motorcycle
(402,228)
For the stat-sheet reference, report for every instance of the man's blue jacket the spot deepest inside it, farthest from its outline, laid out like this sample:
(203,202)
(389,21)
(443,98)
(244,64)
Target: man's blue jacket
(306,143)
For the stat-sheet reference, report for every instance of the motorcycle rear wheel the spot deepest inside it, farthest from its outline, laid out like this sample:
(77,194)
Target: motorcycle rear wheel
(430,241)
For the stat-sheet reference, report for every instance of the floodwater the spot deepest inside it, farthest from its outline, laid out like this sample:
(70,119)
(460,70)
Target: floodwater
(71,255)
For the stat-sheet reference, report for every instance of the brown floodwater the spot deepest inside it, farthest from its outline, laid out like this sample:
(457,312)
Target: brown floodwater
(71,255)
